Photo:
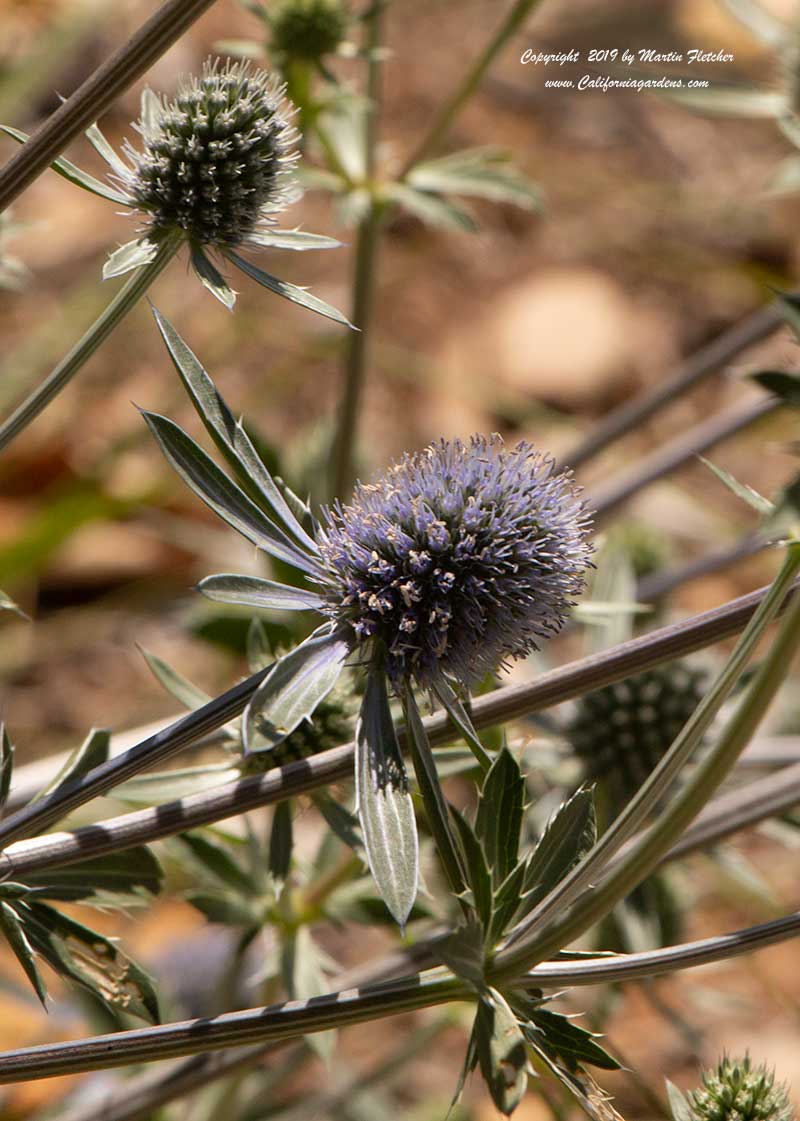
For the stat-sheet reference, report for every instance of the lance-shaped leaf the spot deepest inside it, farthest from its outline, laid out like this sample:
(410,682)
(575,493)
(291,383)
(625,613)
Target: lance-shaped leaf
(431,208)
(384,806)
(478,875)
(89,959)
(217,862)
(292,239)
(780,384)
(226,432)
(485,173)
(6,764)
(753,499)
(253,591)
(288,291)
(105,149)
(174,683)
(130,256)
(292,690)
(303,966)
(502,1053)
(678,1103)
(562,1038)
(7,604)
(433,799)
(124,874)
(22,949)
(211,278)
(91,753)
(499,817)
(222,495)
(569,835)
(74,174)
(460,717)
(281,841)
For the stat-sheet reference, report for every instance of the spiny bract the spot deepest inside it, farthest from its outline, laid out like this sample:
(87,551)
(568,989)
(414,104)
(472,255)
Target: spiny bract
(458,557)
(216,159)
(307,29)
(738,1091)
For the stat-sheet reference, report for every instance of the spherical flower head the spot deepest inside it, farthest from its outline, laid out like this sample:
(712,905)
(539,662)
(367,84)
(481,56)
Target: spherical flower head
(622,731)
(459,557)
(216,160)
(738,1091)
(307,30)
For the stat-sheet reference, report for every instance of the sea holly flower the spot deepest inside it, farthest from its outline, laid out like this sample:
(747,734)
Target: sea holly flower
(735,1090)
(214,170)
(306,30)
(455,560)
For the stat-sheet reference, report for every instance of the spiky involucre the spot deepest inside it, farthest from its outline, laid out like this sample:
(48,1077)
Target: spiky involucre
(738,1091)
(307,29)
(217,159)
(456,559)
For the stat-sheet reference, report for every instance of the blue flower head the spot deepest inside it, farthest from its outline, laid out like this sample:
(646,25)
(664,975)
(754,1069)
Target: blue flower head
(457,558)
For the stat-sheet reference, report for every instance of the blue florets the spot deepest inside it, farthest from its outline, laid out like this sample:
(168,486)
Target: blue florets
(456,559)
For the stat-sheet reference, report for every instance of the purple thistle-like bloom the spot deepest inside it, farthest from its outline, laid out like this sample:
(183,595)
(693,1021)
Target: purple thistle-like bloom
(456,559)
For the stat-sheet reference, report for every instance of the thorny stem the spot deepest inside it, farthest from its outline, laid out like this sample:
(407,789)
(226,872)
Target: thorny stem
(469,83)
(97,93)
(127,297)
(364,277)
(686,805)
(503,704)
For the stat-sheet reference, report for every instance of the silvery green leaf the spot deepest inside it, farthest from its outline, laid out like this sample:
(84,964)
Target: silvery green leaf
(292,690)
(91,753)
(6,764)
(753,499)
(479,876)
(458,714)
(344,125)
(23,951)
(384,804)
(431,208)
(175,684)
(130,256)
(90,959)
(433,799)
(253,591)
(281,840)
(502,1052)
(228,434)
(258,649)
(762,23)
(477,173)
(499,817)
(568,836)
(222,495)
(150,111)
(681,1110)
(289,291)
(7,604)
(107,151)
(303,967)
(292,239)
(74,174)
(122,873)
(339,820)
(164,786)
(211,278)
(216,861)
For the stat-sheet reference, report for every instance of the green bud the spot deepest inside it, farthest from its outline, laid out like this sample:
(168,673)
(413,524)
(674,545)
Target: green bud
(307,30)
(738,1091)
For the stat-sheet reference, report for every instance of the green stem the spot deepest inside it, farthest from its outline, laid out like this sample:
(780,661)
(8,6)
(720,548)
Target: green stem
(102,327)
(97,93)
(343,461)
(646,855)
(647,797)
(469,83)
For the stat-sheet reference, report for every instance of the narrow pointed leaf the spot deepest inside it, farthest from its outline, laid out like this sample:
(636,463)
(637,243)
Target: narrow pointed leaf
(258,649)
(176,685)
(107,151)
(212,279)
(23,951)
(460,717)
(339,820)
(478,874)
(433,799)
(253,591)
(499,817)
(506,901)
(216,861)
(569,835)
(129,872)
(288,291)
(74,174)
(6,764)
(221,494)
(431,208)
(385,809)
(292,690)
(303,972)
(130,256)
(681,1110)
(567,1040)
(780,384)
(753,499)
(7,604)
(479,173)
(91,753)
(281,841)
(229,436)
(292,239)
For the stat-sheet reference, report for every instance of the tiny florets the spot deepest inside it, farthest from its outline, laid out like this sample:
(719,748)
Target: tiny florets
(457,558)
(216,159)
(738,1091)
(307,29)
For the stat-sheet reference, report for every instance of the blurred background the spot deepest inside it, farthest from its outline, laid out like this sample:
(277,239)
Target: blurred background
(656,234)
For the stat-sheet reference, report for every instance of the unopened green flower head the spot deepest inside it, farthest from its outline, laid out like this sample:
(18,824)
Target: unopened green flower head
(738,1091)
(307,30)
(216,161)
